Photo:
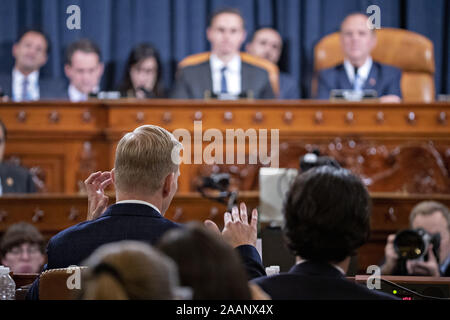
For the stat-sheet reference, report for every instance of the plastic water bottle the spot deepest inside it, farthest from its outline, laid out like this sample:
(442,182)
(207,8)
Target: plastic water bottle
(7,285)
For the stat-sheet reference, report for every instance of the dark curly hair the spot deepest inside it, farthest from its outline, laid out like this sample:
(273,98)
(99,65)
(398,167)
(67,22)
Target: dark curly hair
(327,214)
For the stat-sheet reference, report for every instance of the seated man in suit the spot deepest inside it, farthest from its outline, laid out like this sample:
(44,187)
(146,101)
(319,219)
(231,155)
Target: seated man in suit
(84,68)
(224,73)
(359,71)
(24,83)
(327,217)
(433,217)
(145,177)
(13,179)
(267,44)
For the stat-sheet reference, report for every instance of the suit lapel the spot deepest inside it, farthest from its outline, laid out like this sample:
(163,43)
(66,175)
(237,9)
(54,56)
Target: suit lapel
(371,81)
(205,79)
(6,85)
(245,77)
(343,81)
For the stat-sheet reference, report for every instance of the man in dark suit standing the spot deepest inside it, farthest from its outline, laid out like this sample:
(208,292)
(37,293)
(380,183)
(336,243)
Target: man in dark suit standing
(327,218)
(24,83)
(359,71)
(267,44)
(223,73)
(13,179)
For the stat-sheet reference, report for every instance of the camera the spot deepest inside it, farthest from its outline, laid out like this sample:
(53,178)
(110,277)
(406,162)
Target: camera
(315,159)
(413,244)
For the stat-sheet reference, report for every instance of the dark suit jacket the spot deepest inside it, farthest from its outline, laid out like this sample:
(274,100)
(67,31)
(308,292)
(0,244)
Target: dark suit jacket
(382,78)
(315,281)
(193,81)
(16,179)
(125,221)
(48,88)
(289,88)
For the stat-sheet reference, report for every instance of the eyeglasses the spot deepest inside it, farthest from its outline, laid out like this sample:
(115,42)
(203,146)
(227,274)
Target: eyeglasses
(31,251)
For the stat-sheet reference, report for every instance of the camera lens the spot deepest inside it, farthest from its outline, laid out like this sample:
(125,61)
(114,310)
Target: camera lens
(409,244)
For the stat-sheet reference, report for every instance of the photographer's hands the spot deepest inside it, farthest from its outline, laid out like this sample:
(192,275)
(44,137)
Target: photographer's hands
(428,268)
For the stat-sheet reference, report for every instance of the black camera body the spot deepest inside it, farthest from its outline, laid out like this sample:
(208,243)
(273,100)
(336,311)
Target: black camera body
(413,244)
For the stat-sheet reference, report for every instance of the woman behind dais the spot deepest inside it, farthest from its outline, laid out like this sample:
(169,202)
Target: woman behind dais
(142,78)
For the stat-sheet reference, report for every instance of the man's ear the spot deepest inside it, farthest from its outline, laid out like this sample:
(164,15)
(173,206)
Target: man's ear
(167,186)
(67,69)
(102,68)
(14,50)
(208,34)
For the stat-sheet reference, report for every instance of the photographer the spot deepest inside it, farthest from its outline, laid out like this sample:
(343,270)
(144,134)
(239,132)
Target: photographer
(434,218)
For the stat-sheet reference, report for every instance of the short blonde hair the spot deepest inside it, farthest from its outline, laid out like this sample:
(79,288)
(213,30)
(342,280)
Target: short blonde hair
(144,158)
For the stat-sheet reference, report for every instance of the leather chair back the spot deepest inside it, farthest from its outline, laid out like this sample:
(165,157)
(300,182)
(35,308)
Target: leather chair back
(54,284)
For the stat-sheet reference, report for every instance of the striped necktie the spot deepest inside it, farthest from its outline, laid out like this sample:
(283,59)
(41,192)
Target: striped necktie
(25,93)
(223,81)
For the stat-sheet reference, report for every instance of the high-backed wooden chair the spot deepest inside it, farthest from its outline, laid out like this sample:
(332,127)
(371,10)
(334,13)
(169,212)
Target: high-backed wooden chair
(53,283)
(411,52)
(271,68)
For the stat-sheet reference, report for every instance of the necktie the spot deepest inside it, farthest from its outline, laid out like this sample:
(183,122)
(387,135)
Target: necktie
(25,94)
(357,85)
(223,81)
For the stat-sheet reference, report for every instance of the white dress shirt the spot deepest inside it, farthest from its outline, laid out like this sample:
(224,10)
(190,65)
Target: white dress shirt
(76,95)
(363,71)
(140,202)
(32,87)
(232,74)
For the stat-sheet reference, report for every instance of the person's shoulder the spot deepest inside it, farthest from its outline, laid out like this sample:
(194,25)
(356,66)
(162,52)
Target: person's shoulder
(254,68)
(332,70)
(14,170)
(73,230)
(195,61)
(53,82)
(387,69)
(5,76)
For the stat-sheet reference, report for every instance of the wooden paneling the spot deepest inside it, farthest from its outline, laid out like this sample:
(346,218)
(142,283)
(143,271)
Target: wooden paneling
(67,141)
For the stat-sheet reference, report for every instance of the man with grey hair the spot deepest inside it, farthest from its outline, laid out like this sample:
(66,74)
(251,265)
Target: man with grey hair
(145,177)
